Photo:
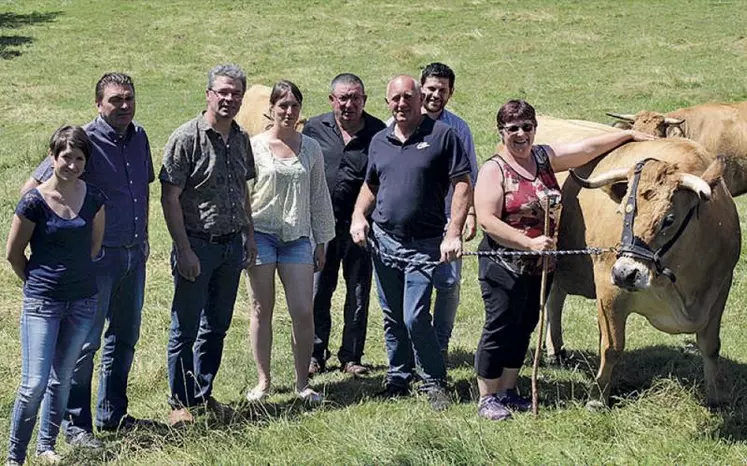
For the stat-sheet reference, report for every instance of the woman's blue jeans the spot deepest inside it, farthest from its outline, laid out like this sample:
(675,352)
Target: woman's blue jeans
(52,335)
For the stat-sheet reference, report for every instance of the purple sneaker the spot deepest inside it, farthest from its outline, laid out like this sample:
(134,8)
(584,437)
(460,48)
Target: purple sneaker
(491,408)
(514,402)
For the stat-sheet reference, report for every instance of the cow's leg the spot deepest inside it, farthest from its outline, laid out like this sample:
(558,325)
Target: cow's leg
(612,318)
(554,339)
(709,343)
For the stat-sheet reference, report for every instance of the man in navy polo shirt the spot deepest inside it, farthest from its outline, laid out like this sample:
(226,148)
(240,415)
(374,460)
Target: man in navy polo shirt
(411,165)
(121,166)
(344,135)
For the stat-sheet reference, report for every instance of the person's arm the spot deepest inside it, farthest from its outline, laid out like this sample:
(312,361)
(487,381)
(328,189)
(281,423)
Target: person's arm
(470,225)
(322,215)
(187,262)
(250,244)
(19,236)
(151,178)
(575,154)
(489,208)
(97,236)
(364,205)
(41,174)
(451,246)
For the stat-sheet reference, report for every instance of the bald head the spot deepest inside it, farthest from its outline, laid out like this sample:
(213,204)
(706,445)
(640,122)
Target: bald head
(404,99)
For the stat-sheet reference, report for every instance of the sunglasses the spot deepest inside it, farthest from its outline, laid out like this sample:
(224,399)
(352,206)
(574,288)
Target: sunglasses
(526,127)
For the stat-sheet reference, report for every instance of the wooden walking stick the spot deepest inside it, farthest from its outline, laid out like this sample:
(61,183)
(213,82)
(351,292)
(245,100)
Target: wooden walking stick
(540,335)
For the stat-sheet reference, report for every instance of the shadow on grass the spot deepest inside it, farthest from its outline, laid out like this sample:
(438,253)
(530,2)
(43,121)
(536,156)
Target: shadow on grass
(9,45)
(637,372)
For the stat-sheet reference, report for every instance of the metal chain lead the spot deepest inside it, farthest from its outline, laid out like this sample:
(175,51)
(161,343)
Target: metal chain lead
(567,252)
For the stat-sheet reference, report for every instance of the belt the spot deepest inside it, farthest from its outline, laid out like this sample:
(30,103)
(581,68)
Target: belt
(214,239)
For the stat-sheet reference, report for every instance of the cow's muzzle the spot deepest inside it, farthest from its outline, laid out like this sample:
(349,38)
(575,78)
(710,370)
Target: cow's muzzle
(630,275)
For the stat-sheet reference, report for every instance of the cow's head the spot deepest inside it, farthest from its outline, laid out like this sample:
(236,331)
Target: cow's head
(652,123)
(659,205)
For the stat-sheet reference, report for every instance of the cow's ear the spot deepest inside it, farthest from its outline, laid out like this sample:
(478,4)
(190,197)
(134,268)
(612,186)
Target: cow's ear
(616,191)
(715,171)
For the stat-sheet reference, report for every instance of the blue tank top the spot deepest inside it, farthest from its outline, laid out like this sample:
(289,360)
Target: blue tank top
(60,266)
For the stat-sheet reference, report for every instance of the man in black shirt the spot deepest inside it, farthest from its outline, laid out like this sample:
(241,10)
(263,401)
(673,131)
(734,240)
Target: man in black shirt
(344,134)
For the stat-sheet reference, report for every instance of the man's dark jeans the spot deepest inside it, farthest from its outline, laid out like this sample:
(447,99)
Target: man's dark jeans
(120,278)
(201,313)
(356,270)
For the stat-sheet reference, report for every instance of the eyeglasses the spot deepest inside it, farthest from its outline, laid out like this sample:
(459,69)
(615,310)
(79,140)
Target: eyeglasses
(526,127)
(224,94)
(343,99)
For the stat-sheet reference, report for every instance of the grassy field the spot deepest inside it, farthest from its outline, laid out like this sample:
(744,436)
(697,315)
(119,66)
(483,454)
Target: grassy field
(574,59)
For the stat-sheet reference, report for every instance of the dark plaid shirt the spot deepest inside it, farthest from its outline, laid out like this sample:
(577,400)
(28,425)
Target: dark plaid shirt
(212,175)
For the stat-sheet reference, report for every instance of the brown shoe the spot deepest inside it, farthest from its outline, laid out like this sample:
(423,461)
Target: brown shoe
(180,418)
(355,369)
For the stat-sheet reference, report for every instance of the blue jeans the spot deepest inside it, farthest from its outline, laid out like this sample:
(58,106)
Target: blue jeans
(405,298)
(200,316)
(52,334)
(447,281)
(120,277)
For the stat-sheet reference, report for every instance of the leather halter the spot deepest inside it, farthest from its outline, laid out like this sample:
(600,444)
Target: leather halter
(634,247)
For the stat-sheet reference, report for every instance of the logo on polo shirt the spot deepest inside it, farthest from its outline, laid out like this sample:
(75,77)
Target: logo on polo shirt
(422,145)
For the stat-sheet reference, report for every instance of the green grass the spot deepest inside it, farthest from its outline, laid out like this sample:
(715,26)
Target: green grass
(574,59)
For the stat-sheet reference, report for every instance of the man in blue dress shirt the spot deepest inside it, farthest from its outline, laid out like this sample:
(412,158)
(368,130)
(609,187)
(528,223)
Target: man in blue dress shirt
(121,166)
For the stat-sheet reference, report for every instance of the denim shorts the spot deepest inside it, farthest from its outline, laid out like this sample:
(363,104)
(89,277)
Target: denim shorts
(271,250)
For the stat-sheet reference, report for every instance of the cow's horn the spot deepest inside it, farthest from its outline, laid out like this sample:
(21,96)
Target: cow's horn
(695,184)
(673,121)
(603,179)
(622,116)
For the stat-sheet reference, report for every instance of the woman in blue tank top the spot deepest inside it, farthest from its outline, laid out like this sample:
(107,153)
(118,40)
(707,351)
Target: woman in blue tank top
(63,222)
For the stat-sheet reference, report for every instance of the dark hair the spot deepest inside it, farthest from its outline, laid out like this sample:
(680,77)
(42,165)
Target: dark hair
(69,136)
(119,79)
(438,70)
(283,87)
(346,78)
(517,109)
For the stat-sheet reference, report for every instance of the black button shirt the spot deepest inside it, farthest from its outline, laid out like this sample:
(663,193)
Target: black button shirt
(344,165)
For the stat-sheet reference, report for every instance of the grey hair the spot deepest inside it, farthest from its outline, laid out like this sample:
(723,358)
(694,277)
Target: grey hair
(228,70)
(346,78)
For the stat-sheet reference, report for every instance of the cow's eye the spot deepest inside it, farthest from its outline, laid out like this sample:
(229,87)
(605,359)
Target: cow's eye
(667,222)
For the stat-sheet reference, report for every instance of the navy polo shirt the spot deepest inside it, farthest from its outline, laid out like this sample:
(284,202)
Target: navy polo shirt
(414,177)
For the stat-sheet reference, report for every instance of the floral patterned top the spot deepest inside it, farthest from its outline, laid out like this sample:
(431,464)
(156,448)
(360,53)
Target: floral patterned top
(523,209)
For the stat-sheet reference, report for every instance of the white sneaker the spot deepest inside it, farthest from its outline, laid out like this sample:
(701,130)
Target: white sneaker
(256,395)
(308,395)
(49,457)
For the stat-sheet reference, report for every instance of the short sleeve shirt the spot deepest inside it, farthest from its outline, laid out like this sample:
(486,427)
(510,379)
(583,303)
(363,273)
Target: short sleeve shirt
(212,175)
(60,266)
(344,164)
(121,167)
(414,177)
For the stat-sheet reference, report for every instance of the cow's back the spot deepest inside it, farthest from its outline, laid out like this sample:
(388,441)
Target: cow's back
(255,108)
(722,129)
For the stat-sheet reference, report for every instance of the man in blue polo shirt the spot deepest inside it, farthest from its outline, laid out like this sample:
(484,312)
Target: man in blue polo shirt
(437,81)
(121,166)
(411,165)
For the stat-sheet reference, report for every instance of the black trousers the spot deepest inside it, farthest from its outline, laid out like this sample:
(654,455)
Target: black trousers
(356,271)
(511,314)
